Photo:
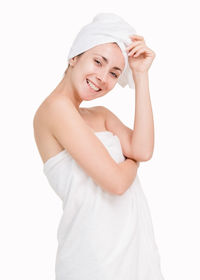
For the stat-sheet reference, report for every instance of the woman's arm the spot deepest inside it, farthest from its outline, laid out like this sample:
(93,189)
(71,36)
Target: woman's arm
(129,170)
(142,140)
(76,137)
(140,58)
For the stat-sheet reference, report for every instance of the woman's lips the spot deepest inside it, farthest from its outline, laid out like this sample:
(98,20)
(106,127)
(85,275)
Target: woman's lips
(91,87)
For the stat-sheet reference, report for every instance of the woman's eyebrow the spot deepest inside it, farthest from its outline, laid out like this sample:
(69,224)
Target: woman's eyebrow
(106,60)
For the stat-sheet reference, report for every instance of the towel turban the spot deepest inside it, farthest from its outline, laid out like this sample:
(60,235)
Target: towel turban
(106,28)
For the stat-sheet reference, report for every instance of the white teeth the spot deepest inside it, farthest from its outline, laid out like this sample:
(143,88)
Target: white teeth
(92,85)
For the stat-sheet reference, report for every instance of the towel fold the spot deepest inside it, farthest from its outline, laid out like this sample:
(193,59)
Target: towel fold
(106,28)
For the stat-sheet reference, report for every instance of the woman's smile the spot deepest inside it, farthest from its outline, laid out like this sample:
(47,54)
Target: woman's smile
(92,86)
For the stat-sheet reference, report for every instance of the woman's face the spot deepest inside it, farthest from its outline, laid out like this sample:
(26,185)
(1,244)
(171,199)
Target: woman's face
(96,71)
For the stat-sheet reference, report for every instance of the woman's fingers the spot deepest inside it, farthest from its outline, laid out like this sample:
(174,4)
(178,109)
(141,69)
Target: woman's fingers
(140,51)
(136,36)
(133,44)
(135,47)
(134,50)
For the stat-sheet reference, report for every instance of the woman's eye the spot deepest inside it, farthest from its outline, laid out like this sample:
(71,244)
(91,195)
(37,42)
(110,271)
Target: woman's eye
(114,74)
(98,62)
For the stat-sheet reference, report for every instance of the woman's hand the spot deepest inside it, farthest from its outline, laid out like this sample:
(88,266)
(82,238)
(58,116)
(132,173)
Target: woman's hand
(140,57)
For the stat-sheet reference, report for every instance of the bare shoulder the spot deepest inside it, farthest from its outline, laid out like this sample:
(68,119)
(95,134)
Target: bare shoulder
(47,144)
(76,137)
(93,117)
(43,113)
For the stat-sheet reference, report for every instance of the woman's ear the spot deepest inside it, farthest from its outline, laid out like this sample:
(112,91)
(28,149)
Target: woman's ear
(73,61)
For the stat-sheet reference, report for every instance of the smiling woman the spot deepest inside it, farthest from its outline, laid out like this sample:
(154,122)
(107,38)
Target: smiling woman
(98,68)
(100,61)
(90,160)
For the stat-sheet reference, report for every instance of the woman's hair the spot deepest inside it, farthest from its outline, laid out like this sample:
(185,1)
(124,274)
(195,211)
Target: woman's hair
(81,54)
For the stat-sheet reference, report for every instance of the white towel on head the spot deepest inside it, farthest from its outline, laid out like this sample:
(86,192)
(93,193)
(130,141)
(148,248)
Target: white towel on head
(106,28)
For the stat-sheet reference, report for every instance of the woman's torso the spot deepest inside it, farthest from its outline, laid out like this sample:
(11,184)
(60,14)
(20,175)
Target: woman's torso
(47,144)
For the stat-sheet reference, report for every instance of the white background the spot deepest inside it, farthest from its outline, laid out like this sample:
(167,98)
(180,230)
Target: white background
(35,39)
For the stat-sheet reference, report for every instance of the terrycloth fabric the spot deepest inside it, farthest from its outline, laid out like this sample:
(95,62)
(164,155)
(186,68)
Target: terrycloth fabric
(106,28)
(101,236)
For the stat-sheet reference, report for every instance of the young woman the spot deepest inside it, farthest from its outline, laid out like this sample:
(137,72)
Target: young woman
(91,159)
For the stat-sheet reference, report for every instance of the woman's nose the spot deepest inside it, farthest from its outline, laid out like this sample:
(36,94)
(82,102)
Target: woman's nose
(102,77)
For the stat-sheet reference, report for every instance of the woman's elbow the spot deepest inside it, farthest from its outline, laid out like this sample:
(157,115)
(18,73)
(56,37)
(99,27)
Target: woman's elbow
(143,157)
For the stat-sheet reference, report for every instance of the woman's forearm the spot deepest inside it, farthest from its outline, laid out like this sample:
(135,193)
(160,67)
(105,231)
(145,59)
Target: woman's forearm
(128,170)
(143,133)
